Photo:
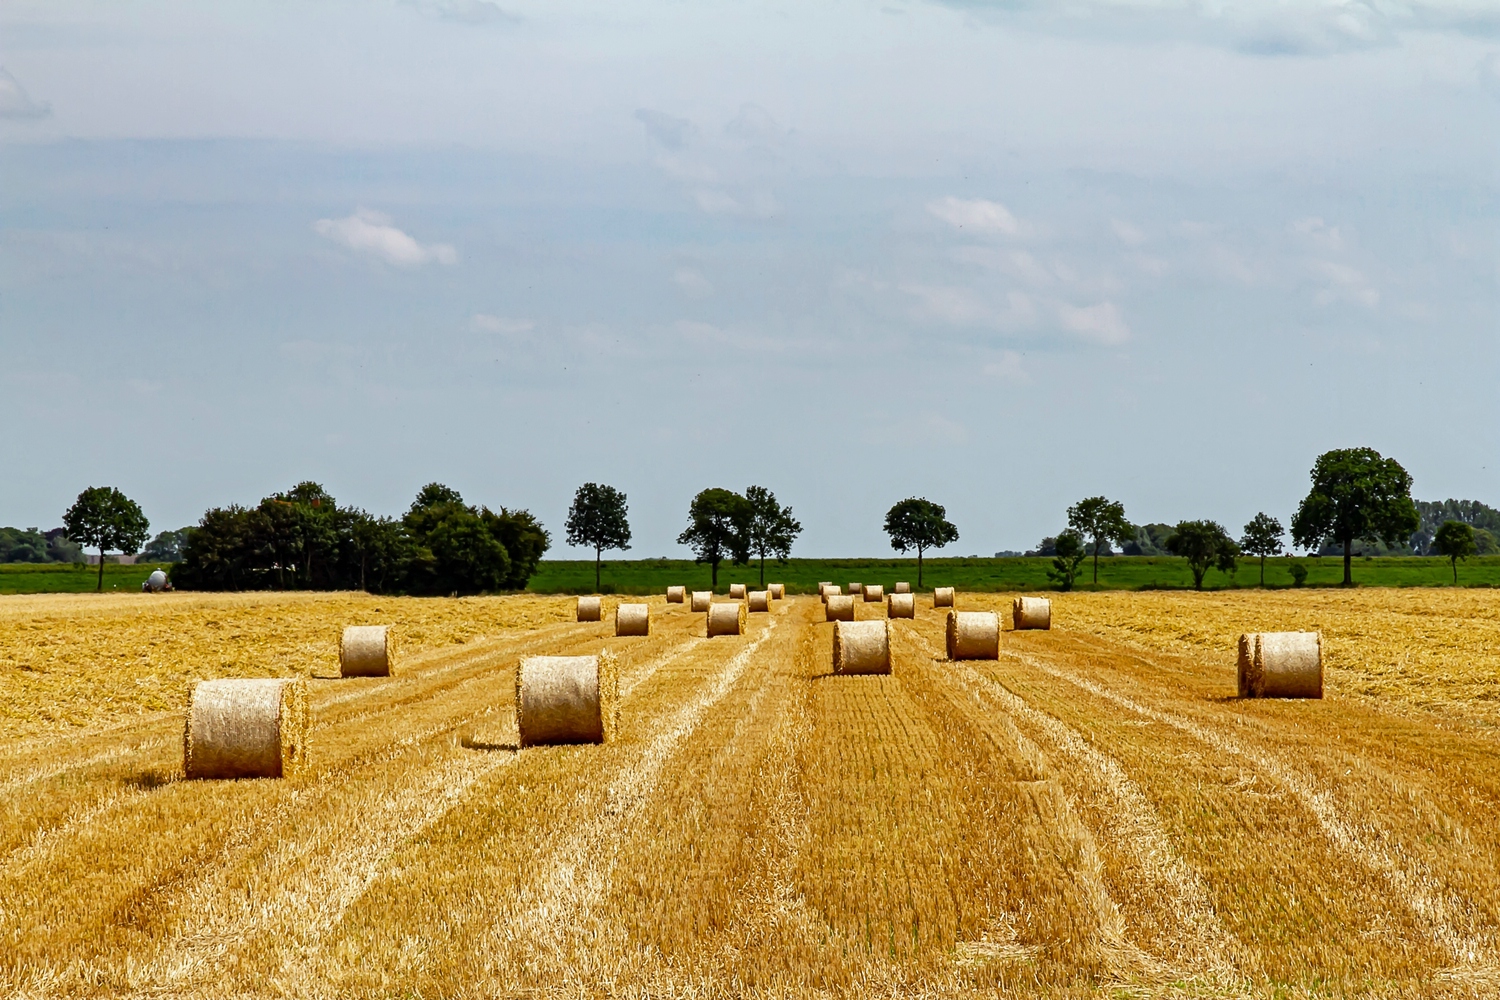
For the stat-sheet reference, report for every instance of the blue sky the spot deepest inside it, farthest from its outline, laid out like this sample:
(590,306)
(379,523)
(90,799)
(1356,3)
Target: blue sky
(1003,255)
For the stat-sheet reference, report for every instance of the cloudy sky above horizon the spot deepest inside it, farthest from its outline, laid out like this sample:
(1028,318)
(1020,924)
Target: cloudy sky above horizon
(1001,254)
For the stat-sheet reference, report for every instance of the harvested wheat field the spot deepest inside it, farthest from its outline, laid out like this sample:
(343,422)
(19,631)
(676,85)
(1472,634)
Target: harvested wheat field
(1094,814)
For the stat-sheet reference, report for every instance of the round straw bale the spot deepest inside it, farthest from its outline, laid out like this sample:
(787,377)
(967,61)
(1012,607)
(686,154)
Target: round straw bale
(1281,665)
(840,608)
(861,647)
(246,728)
(973,635)
(633,619)
(942,597)
(827,590)
(902,606)
(1031,612)
(737,591)
(874,592)
(778,591)
(702,599)
(824,583)
(857,590)
(566,699)
(367,651)
(590,609)
(759,600)
(675,595)
(726,619)
(902,587)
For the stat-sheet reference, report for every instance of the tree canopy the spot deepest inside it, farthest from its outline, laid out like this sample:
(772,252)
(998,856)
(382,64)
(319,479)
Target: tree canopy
(1454,539)
(918,523)
(1203,544)
(1262,538)
(718,529)
(1356,494)
(108,520)
(598,520)
(1069,552)
(771,529)
(1100,521)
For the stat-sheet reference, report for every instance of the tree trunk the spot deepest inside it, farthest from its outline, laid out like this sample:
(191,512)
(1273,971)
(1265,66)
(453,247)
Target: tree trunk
(1454,561)
(1262,572)
(762,569)
(1348,555)
(919,567)
(596,569)
(100,589)
(714,564)
(1096,562)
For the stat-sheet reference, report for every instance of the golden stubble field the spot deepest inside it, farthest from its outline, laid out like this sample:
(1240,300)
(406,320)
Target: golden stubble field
(1092,815)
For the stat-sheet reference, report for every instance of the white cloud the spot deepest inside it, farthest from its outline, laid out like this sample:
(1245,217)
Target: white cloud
(1489,73)
(1007,367)
(692,283)
(755,126)
(500,324)
(1101,323)
(461,11)
(371,232)
(682,169)
(1127,234)
(950,304)
(760,204)
(1318,232)
(977,215)
(15,102)
(1344,284)
(673,133)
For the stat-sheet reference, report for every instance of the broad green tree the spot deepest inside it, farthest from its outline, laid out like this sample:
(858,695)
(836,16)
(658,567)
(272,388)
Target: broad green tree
(1455,540)
(718,529)
(598,520)
(1069,552)
(918,523)
(1099,521)
(1262,538)
(1356,495)
(1203,544)
(772,527)
(108,520)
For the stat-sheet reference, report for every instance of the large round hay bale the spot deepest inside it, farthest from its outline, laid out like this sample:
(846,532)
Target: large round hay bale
(942,597)
(861,647)
(902,587)
(902,606)
(675,595)
(856,590)
(778,591)
(1281,665)
(840,608)
(702,599)
(246,728)
(590,609)
(565,699)
(759,600)
(827,590)
(874,592)
(726,619)
(633,619)
(737,591)
(367,651)
(973,635)
(1031,612)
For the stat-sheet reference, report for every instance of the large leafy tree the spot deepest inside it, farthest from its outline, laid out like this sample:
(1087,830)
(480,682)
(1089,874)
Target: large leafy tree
(598,520)
(1262,538)
(1203,544)
(1068,551)
(718,529)
(1100,521)
(772,527)
(108,520)
(918,523)
(455,551)
(1356,495)
(1454,539)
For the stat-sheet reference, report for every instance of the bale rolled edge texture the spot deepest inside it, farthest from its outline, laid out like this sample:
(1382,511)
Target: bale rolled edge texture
(590,609)
(1281,665)
(1031,612)
(827,590)
(633,619)
(758,600)
(973,635)
(857,590)
(902,587)
(367,651)
(246,728)
(861,647)
(675,595)
(902,606)
(942,597)
(840,608)
(737,591)
(702,599)
(566,699)
(874,592)
(778,591)
(726,618)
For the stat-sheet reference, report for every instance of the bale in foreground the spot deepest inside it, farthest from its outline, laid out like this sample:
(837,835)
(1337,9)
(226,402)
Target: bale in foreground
(942,597)
(590,609)
(675,595)
(633,619)
(759,600)
(1281,665)
(840,608)
(702,599)
(778,591)
(367,651)
(973,635)
(566,699)
(902,587)
(246,728)
(726,619)
(1031,612)
(902,606)
(862,647)
(737,591)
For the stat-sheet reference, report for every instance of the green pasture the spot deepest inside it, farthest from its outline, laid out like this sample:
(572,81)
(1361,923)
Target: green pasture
(72,578)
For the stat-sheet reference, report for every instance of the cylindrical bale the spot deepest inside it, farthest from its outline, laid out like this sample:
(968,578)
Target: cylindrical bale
(822,584)
(590,609)
(367,651)
(778,591)
(726,619)
(902,587)
(702,599)
(633,619)
(902,606)
(759,600)
(246,728)
(737,591)
(675,595)
(973,635)
(942,597)
(565,699)
(840,608)
(1281,665)
(861,647)
(874,592)
(1031,612)
(856,590)
(827,590)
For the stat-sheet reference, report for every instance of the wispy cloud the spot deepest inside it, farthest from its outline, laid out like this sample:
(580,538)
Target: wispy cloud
(16,103)
(666,130)
(462,11)
(977,215)
(692,283)
(1343,283)
(486,323)
(371,233)
(1101,324)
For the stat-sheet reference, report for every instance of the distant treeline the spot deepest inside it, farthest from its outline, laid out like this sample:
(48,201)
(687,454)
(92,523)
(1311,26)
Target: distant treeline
(28,545)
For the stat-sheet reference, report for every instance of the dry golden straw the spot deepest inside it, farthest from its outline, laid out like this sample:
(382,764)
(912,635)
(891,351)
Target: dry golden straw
(633,619)
(726,619)
(1031,612)
(246,728)
(737,591)
(874,592)
(759,600)
(565,699)
(840,608)
(902,587)
(367,651)
(856,590)
(862,647)
(590,609)
(902,606)
(702,599)
(778,591)
(973,635)
(942,597)
(676,594)
(1281,665)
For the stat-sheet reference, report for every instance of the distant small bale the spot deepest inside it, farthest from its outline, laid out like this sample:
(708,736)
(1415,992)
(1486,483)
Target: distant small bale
(633,619)
(856,590)
(702,599)
(590,609)
(566,699)
(902,587)
(726,618)
(942,597)
(367,651)
(840,608)
(675,595)
(827,590)
(861,647)
(778,591)
(758,600)
(1031,612)
(973,635)
(1281,665)
(246,728)
(874,592)
(737,591)
(902,606)
(822,584)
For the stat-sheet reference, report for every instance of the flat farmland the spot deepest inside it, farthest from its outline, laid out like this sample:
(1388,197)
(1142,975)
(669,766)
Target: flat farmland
(1094,814)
